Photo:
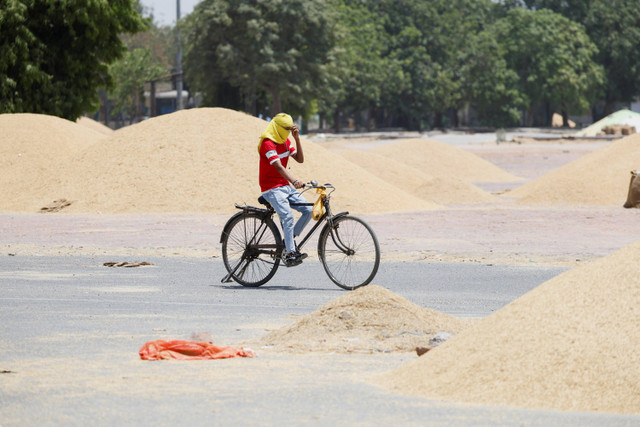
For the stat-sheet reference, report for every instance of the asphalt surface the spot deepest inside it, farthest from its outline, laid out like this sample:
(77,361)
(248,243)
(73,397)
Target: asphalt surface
(71,330)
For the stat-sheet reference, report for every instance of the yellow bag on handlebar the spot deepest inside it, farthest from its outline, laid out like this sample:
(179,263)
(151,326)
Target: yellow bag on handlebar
(318,206)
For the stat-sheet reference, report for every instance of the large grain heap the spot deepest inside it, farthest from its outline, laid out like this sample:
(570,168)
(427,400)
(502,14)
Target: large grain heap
(92,124)
(34,152)
(198,160)
(34,140)
(570,344)
(449,189)
(444,161)
(598,178)
(367,320)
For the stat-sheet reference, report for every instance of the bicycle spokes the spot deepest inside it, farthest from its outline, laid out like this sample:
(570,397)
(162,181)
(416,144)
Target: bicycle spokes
(349,252)
(250,249)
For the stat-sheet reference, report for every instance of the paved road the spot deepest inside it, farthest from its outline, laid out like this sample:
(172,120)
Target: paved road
(71,329)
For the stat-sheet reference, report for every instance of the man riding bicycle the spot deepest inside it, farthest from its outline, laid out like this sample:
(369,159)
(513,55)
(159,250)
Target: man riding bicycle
(275,148)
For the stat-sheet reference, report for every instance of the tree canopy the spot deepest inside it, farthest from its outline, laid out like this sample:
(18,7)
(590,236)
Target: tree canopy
(386,63)
(54,54)
(276,48)
(614,27)
(554,59)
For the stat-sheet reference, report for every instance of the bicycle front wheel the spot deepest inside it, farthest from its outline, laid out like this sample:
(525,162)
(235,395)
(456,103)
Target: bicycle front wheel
(251,250)
(349,252)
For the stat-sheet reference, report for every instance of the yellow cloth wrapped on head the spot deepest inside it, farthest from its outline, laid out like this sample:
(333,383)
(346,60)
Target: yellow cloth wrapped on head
(275,130)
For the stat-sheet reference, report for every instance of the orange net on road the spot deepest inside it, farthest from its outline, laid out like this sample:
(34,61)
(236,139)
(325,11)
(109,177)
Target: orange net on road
(189,350)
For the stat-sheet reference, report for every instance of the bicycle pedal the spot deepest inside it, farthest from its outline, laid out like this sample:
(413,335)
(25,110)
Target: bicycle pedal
(292,263)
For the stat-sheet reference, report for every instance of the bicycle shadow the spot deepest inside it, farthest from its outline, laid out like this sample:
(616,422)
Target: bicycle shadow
(272,288)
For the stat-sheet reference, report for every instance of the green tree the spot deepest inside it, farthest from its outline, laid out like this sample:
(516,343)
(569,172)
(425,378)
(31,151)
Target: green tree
(413,38)
(130,73)
(55,53)
(575,10)
(614,26)
(357,72)
(554,58)
(278,48)
(426,38)
(489,84)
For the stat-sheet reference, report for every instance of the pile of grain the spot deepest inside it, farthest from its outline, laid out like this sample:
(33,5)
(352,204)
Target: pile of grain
(368,319)
(34,150)
(35,140)
(443,161)
(557,121)
(92,124)
(199,160)
(598,178)
(570,344)
(415,181)
(621,117)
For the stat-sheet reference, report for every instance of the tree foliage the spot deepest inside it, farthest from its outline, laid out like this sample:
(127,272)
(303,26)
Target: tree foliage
(358,75)
(614,27)
(130,73)
(489,84)
(410,62)
(554,59)
(278,48)
(54,54)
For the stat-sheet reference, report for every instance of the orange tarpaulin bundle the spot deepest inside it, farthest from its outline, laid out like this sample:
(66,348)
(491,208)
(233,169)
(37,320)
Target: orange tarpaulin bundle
(189,350)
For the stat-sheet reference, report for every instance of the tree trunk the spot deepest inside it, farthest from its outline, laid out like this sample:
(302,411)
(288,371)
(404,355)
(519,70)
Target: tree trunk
(608,107)
(529,115)
(138,110)
(336,121)
(438,120)
(454,118)
(548,117)
(250,103)
(371,122)
(276,103)
(565,118)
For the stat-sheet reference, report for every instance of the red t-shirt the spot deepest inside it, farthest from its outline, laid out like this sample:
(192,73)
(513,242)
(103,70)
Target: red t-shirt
(269,153)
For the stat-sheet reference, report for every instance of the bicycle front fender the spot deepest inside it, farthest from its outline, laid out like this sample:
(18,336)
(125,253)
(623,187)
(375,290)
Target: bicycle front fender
(325,228)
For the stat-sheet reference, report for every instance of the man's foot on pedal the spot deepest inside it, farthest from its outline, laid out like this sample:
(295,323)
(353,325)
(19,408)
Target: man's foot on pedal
(293,258)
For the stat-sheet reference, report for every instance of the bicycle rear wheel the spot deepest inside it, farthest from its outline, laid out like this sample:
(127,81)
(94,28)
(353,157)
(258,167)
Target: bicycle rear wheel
(349,252)
(251,250)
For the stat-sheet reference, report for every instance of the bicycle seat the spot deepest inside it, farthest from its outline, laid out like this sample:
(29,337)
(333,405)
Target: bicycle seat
(263,201)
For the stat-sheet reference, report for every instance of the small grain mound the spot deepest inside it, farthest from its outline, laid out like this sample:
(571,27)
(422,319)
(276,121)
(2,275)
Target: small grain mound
(571,344)
(599,178)
(444,161)
(416,182)
(92,124)
(620,117)
(367,320)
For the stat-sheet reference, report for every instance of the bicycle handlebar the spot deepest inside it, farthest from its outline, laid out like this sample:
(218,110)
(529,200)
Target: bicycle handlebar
(314,184)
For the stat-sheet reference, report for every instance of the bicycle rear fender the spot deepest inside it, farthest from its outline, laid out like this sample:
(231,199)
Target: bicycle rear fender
(225,230)
(246,210)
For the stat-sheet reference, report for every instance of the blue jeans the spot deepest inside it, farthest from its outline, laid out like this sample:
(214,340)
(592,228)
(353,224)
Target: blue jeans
(280,198)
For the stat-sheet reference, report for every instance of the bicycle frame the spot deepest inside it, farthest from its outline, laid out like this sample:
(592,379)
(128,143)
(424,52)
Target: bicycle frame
(259,220)
(327,218)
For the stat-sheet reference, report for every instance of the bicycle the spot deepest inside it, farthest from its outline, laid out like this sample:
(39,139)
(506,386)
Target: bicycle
(252,246)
